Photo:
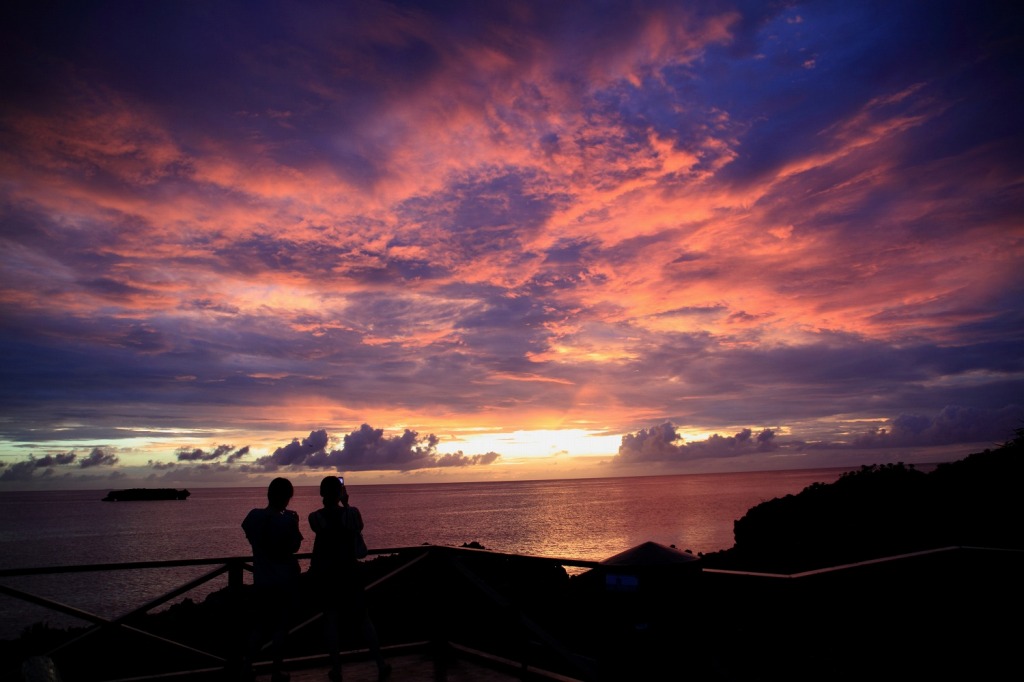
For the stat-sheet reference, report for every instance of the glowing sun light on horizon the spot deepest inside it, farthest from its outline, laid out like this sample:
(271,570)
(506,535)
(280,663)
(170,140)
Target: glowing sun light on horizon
(535,444)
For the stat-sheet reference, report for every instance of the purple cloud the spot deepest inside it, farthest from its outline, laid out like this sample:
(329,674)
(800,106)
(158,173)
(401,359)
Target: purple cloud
(98,458)
(662,443)
(19,471)
(366,448)
(56,460)
(200,455)
(953,424)
(25,469)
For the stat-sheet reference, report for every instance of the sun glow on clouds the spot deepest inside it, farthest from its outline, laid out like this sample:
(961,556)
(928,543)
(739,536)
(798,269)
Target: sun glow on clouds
(541,443)
(564,225)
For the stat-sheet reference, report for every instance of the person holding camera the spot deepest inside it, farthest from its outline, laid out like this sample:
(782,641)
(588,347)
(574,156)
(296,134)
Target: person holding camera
(336,572)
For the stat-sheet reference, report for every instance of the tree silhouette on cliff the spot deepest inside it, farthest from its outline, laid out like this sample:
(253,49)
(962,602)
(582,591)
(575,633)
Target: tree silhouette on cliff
(882,510)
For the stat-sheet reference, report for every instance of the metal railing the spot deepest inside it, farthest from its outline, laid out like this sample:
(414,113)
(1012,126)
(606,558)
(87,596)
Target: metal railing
(459,591)
(454,560)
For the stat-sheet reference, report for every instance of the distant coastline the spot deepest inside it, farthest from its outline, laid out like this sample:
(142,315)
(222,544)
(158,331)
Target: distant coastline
(146,494)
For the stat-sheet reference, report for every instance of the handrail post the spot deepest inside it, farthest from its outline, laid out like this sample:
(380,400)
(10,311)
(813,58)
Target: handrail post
(235,573)
(440,629)
(239,628)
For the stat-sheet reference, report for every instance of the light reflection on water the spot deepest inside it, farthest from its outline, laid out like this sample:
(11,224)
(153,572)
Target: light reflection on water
(580,519)
(584,519)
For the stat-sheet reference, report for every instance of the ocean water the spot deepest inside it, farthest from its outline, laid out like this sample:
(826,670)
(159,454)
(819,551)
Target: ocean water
(579,519)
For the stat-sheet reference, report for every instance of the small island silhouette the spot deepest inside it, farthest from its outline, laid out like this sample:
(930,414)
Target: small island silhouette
(146,494)
(744,613)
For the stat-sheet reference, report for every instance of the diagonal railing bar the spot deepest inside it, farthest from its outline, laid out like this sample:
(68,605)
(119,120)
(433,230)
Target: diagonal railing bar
(312,619)
(52,605)
(120,620)
(102,623)
(859,564)
(177,592)
(234,567)
(393,573)
(582,663)
(165,640)
(93,618)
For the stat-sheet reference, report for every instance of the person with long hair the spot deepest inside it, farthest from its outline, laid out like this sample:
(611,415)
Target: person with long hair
(337,574)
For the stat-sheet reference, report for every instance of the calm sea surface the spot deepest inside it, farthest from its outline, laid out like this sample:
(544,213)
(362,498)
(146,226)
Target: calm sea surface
(580,519)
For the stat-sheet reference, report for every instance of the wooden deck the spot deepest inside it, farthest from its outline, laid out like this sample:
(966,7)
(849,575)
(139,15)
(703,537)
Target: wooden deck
(415,664)
(407,665)
(411,667)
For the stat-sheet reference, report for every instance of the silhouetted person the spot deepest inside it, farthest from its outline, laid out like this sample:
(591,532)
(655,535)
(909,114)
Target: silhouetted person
(336,572)
(273,532)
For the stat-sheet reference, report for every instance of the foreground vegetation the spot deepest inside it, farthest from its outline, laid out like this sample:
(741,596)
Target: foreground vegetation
(884,510)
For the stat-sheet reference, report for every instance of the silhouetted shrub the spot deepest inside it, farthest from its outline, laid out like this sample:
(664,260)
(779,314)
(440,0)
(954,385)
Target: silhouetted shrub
(882,510)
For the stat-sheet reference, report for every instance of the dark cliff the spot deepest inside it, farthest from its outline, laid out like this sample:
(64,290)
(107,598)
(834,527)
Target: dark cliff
(883,510)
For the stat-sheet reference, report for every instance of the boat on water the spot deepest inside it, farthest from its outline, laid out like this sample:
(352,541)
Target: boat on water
(140,494)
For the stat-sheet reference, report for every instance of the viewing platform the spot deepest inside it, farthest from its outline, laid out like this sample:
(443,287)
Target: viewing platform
(463,614)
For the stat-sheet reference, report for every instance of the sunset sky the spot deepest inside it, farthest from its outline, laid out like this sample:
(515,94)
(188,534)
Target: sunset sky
(431,241)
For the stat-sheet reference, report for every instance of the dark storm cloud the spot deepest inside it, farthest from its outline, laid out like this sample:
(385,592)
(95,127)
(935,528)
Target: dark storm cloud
(663,443)
(297,451)
(56,460)
(21,472)
(25,469)
(831,374)
(654,443)
(239,454)
(953,424)
(950,426)
(200,455)
(366,448)
(98,457)
(458,459)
